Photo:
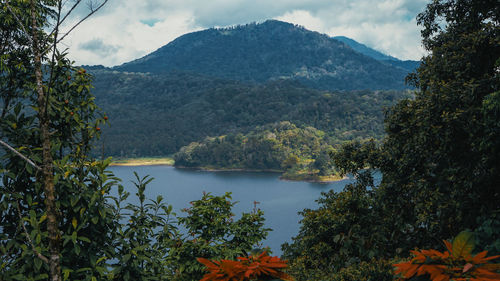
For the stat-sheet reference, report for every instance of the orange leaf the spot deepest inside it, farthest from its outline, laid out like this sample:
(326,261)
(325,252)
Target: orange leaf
(448,246)
(208,263)
(491,266)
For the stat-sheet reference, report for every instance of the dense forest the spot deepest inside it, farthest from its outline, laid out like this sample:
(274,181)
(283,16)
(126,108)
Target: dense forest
(434,216)
(279,147)
(166,112)
(439,165)
(268,51)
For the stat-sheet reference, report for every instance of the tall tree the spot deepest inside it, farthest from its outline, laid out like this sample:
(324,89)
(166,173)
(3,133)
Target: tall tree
(439,161)
(442,171)
(47,112)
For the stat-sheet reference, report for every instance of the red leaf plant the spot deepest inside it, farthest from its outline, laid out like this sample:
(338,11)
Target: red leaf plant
(457,263)
(251,268)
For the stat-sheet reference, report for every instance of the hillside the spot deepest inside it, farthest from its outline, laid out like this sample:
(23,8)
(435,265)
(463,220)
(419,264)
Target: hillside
(408,65)
(154,115)
(269,51)
(363,49)
(301,153)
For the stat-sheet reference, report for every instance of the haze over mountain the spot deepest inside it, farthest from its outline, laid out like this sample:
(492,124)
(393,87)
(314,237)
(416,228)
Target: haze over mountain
(409,65)
(269,51)
(365,50)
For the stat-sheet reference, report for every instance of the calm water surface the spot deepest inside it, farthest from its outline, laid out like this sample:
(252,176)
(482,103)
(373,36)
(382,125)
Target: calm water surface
(280,200)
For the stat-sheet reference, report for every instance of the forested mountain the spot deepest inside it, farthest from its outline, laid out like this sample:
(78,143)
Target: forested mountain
(231,80)
(409,65)
(153,115)
(269,51)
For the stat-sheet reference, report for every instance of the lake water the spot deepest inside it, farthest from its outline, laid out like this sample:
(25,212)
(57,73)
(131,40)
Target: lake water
(280,200)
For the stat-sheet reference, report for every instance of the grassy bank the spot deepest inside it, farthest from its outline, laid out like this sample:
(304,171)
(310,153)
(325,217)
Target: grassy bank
(304,175)
(143,161)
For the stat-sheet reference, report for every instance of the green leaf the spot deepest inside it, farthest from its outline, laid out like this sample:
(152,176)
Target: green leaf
(85,239)
(38,264)
(463,244)
(101,259)
(33,219)
(66,273)
(73,237)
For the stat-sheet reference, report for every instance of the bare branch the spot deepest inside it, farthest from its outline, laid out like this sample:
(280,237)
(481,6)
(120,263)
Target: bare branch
(92,11)
(59,23)
(40,256)
(20,155)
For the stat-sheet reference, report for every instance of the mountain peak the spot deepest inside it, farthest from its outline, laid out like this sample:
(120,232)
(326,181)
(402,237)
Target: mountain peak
(259,52)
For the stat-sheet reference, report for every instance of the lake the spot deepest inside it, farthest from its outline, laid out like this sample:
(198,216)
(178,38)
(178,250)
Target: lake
(280,200)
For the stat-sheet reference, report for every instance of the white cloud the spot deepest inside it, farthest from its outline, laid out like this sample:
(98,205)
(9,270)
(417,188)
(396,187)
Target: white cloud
(305,19)
(129,29)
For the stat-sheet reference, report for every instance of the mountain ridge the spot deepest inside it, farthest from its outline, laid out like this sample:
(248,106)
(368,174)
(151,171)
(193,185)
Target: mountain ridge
(268,51)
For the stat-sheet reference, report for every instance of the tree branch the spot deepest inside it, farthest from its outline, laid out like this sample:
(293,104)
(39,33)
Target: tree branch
(92,11)
(40,256)
(20,155)
(59,23)
(6,2)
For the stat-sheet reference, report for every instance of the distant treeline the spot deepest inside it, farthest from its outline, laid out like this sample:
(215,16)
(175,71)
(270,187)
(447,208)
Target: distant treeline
(155,115)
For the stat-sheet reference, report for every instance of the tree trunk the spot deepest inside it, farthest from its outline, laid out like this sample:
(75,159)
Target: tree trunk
(47,176)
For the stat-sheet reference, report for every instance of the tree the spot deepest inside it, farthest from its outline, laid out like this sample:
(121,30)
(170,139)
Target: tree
(439,160)
(48,114)
(213,233)
(342,232)
(441,171)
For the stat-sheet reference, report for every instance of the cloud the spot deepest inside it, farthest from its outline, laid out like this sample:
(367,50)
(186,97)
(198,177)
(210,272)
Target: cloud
(97,45)
(130,37)
(129,29)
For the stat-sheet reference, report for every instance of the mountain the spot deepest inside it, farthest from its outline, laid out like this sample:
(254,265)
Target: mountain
(157,114)
(269,51)
(409,65)
(361,48)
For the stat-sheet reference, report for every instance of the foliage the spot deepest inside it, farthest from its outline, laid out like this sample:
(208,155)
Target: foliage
(355,156)
(269,51)
(143,236)
(246,268)
(342,232)
(80,181)
(488,233)
(457,263)
(272,147)
(212,233)
(439,161)
(373,270)
(440,169)
(155,115)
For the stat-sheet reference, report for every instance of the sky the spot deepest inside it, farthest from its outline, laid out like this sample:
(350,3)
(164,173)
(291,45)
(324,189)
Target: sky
(125,30)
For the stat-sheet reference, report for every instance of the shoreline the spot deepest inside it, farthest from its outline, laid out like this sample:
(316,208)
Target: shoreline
(167,161)
(137,162)
(326,180)
(322,179)
(211,169)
